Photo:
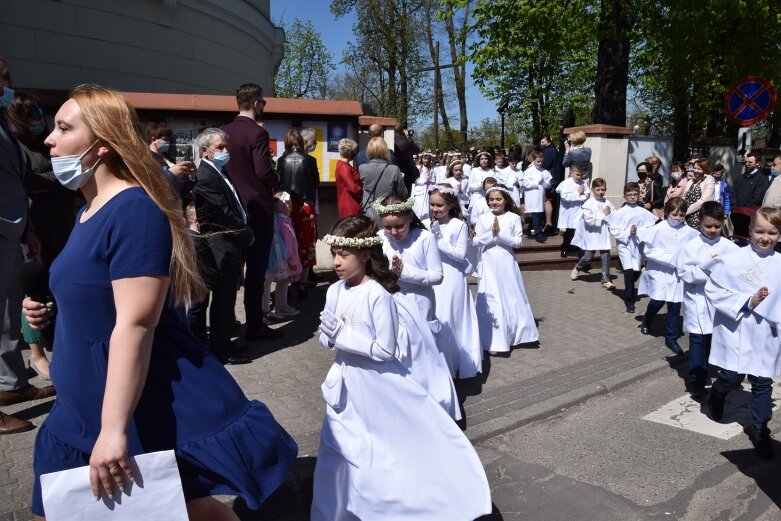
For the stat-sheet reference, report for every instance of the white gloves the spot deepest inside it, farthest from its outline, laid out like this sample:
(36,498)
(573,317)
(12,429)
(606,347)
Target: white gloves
(330,325)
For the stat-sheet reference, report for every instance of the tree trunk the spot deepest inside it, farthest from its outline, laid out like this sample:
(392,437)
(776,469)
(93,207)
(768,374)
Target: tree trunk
(438,98)
(459,71)
(615,24)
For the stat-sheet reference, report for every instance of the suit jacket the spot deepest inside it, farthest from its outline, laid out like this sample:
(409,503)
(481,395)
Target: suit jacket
(250,168)
(13,202)
(219,215)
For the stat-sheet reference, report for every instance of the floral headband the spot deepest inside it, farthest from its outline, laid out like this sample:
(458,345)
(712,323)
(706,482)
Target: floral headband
(394,208)
(352,242)
(444,190)
(498,189)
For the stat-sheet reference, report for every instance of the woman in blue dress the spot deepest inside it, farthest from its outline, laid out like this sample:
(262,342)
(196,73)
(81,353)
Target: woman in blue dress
(131,378)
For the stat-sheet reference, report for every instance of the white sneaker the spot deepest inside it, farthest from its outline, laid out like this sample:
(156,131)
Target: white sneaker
(574,274)
(608,285)
(287,311)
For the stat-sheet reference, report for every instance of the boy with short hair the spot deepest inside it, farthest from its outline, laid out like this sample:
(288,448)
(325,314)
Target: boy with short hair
(697,314)
(623,225)
(536,180)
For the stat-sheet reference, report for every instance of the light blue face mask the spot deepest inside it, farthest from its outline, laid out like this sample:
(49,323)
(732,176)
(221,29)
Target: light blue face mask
(774,172)
(37,128)
(164,147)
(220,159)
(675,223)
(7,97)
(68,171)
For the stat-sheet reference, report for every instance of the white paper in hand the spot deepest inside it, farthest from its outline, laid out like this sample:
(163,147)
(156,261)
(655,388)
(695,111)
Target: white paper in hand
(155,494)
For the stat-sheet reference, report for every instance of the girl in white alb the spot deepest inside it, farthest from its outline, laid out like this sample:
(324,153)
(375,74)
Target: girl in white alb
(697,314)
(574,192)
(624,224)
(387,450)
(459,181)
(744,287)
(477,203)
(592,234)
(420,188)
(413,255)
(508,177)
(503,311)
(460,337)
(485,169)
(660,279)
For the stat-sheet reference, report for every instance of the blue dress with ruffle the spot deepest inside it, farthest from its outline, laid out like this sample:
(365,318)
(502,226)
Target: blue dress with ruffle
(224,443)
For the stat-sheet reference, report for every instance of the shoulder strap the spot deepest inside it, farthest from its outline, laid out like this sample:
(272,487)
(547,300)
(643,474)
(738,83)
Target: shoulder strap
(371,194)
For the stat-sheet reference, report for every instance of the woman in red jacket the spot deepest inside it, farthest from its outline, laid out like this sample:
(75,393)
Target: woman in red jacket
(349,190)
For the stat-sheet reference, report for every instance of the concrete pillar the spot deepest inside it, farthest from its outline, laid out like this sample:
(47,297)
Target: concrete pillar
(609,151)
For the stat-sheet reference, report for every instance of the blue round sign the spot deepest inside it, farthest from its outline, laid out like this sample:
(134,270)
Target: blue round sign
(749,100)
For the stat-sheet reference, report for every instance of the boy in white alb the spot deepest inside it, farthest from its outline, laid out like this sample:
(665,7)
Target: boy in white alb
(623,225)
(574,192)
(592,234)
(697,314)
(535,181)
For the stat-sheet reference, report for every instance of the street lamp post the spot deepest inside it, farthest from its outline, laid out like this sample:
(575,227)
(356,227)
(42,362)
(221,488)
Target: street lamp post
(501,110)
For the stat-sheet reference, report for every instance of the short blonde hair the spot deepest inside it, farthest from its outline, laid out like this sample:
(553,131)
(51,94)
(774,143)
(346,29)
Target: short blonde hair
(578,137)
(377,149)
(347,147)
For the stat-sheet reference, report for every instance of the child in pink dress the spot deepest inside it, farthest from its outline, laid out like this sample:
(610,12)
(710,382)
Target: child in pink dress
(284,265)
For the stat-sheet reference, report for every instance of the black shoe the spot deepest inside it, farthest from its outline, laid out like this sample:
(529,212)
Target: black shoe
(762,443)
(673,346)
(698,392)
(563,254)
(235,360)
(541,239)
(630,308)
(236,325)
(716,405)
(643,326)
(262,333)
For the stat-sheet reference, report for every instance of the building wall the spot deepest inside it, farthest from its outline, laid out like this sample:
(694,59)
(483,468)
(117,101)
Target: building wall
(186,46)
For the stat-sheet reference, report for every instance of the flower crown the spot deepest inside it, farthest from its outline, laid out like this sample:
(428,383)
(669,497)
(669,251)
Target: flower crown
(394,208)
(449,190)
(352,242)
(499,189)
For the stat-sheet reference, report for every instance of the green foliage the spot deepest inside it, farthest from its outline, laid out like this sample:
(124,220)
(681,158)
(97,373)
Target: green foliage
(306,64)
(538,56)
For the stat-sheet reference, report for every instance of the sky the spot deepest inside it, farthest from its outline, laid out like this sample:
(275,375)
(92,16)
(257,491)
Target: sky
(337,33)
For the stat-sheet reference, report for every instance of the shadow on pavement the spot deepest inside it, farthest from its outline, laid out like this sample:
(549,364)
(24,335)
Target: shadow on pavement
(290,502)
(764,473)
(471,387)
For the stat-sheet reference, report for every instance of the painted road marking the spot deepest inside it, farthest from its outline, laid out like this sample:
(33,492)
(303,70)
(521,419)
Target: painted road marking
(685,413)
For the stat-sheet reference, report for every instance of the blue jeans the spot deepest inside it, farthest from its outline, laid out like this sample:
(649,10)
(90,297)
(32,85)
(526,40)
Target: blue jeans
(699,351)
(673,317)
(604,255)
(761,390)
(538,221)
(630,276)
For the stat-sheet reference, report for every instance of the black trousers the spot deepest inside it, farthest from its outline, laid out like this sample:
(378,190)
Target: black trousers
(257,262)
(223,302)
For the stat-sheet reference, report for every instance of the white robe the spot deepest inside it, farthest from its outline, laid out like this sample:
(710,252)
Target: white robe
(419,192)
(660,279)
(743,341)
(387,450)
(509,178)
(688,261)
(628,245)
(422,269)
(463,188)
(477,207)
(570,213)
(503,311)
(477,176)
(592,232)
(460,336)
(535,182)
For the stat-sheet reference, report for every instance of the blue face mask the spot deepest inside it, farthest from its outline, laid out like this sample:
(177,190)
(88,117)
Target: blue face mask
(7,97)
(220,159)
(37,128)
(67,170)
(675,223)
(774,171)
(163,147)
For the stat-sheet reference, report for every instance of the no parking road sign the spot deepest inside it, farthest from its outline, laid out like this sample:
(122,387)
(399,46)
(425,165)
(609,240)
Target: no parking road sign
(749,100)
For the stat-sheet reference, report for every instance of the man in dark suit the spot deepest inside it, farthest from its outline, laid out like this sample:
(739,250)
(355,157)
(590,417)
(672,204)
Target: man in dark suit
(749,188)
(405,148)
(223,222)
(251,173)
(14,387)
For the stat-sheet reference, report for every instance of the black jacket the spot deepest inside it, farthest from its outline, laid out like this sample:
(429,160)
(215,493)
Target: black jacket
(298,175)
(219,215)
(748,191)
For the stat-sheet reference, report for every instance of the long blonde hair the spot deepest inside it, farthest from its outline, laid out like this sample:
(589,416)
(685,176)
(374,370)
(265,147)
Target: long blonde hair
(115,123)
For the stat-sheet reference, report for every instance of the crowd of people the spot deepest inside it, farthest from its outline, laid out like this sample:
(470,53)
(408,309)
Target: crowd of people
(141,247)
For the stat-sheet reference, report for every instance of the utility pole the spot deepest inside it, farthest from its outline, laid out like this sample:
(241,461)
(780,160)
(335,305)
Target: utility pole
(437,88)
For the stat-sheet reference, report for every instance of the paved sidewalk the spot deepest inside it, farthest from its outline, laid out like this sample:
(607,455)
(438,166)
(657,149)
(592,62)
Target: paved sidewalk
(588,346)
